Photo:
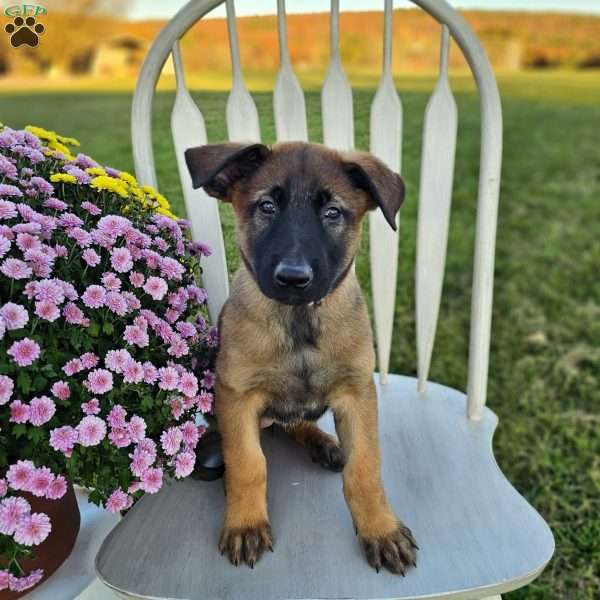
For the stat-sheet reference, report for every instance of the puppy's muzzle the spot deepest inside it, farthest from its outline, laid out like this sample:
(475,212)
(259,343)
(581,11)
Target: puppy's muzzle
(293,274)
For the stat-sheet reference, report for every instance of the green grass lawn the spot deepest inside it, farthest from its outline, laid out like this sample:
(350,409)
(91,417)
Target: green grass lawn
(545,361)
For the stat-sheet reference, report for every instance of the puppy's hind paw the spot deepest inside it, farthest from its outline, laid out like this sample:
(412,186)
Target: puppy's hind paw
(327,451)
(247,544)
(395,551)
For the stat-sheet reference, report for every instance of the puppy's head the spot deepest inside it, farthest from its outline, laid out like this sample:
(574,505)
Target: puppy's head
(298,209)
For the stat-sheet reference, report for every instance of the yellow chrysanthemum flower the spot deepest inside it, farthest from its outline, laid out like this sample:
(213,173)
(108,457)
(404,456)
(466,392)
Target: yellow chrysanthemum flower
(103,182)
(55,145)
(62,178)
(41,133)
(69,141)
(95,171)
(137,193)
(166,213)
(128,178)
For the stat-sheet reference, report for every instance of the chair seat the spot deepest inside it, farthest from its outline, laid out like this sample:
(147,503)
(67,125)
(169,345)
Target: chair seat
(478,537)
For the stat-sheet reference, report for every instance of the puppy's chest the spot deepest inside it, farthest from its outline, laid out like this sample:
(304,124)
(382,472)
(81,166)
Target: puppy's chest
(302,373)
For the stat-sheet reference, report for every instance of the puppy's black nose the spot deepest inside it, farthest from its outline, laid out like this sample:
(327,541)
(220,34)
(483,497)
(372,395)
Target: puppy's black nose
(290,274)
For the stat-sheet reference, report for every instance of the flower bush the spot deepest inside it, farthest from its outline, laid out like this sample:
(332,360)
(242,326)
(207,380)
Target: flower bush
(106,354)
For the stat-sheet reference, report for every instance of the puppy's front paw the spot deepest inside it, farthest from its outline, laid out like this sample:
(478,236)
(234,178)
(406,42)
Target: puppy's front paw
(395,551)
(246,544)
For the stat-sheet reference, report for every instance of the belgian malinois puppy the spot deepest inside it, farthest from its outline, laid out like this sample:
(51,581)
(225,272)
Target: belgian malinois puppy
(295,337)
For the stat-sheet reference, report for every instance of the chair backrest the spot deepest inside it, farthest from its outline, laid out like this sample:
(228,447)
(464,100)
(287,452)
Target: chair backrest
(437,166)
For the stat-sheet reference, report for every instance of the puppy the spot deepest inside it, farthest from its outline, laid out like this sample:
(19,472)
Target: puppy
(295,337)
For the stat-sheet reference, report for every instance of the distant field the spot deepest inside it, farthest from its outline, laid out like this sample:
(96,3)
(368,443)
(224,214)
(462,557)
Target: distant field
(573,87)
(545,361)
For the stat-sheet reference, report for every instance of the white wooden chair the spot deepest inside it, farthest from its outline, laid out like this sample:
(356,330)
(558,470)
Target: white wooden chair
(478,536)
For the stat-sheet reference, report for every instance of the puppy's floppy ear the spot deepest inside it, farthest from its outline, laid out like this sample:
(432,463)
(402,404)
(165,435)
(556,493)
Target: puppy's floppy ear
(217,167)
(384,187)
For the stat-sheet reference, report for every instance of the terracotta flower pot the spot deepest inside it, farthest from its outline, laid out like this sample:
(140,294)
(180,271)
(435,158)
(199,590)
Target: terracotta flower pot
(55,549)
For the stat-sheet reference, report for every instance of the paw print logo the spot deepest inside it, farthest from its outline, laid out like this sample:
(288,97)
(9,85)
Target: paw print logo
(24,32)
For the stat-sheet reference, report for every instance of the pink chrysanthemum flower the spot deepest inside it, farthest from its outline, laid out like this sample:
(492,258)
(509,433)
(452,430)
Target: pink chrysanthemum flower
(14,315)
(133,302)
(176,404)
(19,412)
(33,529)
(92,407)
(14,268)
(120,260)
(73,314)
(136,336)
(119,437)
(40,481)
(178,347)
(156,287)
(116,360)
(136,279)
(185,329)
(113,225)
(72,367)
(190,433)
(117,501)
(99,381)
(20,584)
(116,416)
(91,430)
(208,381)
(12,511)
(170,440)
(188,385)
(26,241)
(136,428)
(60,390)
(171,269)
(19,475)
(50,290)
(57,488)
(116,303)
(41,410)
(3,487)
(111,282)
(47,310)
(204,402)
(91,257)
(168,378)
(150,373)
(7,210)
(5,247)
(133,372)
(184,464)
(24,352)
(89,360)
(6,389)
(63,439)
(94,296)
(141,461)
(152,480)
(91,208)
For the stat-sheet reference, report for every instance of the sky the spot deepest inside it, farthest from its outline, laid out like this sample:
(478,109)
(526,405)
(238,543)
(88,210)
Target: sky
(163,9)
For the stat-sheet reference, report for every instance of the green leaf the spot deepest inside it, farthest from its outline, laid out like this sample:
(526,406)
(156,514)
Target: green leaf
(19,430)
(24,382)
(94,329)
(40,383)
(108,328)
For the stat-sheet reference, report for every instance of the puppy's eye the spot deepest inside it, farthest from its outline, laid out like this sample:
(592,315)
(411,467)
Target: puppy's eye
(267,206)
(333,213)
